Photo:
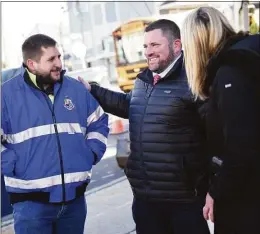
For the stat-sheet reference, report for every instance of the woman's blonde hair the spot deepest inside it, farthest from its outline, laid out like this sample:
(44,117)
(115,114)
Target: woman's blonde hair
(204,31)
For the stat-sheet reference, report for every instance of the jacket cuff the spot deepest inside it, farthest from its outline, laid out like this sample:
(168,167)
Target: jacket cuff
(8,159)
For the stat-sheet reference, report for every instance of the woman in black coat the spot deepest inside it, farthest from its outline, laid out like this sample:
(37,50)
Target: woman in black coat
(223,67)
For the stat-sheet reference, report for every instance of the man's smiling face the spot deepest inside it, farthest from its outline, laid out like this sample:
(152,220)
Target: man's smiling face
(158,50)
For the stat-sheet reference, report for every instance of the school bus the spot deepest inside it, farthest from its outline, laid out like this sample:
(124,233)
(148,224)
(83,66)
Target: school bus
(128,42)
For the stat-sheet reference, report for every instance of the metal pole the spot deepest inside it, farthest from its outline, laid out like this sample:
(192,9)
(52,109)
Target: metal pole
(245,13)
(84,62)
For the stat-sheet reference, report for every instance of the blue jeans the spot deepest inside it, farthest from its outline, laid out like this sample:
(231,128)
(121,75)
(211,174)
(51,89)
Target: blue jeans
(37,218)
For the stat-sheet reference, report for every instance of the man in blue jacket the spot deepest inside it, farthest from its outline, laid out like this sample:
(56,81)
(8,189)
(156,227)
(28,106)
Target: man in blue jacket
(50,140)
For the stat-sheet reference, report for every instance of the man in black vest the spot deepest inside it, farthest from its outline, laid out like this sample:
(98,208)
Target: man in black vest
(167,167)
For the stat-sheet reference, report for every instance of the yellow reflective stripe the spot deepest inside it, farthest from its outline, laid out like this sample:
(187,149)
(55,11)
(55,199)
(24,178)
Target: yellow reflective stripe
(3,149)
(98,136)
(43,130)
(48,181)
(95,115)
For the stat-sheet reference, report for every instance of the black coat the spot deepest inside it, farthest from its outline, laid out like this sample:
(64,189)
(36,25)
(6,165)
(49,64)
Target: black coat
(167,160)
(233,129)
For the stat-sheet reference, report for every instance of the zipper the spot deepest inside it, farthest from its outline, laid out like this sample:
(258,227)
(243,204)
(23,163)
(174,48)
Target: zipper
(58,142)
(148,91)
(60,155)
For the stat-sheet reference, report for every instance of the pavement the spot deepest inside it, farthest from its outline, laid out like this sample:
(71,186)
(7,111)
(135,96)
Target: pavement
(109,209)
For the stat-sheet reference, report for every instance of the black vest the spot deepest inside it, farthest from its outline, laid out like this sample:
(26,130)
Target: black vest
(167,160)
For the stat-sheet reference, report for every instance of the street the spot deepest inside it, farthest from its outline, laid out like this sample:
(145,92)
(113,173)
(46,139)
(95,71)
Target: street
(109,198)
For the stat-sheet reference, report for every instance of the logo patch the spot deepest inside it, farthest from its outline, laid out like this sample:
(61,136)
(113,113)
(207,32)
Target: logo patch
(68,104)
(167,91)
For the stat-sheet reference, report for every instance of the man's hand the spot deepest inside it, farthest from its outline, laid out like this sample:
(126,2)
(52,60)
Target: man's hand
(85,83)
(208,208)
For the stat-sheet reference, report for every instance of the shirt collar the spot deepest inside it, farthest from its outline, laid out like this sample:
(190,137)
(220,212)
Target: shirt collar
(164,73)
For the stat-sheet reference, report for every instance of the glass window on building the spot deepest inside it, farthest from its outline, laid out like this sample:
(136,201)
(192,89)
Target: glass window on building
(98,16)
(86,21)
(99,48)
(74,23)
(110,9)
(79,17)
(111,46)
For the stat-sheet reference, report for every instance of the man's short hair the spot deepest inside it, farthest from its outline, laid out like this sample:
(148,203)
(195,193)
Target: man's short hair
(168,27)
(32,46)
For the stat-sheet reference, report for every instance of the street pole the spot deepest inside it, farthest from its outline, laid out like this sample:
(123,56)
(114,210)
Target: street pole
(84,62)
(245,14)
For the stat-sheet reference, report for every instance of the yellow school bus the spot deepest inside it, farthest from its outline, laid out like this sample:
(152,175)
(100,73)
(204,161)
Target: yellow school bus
(130,59)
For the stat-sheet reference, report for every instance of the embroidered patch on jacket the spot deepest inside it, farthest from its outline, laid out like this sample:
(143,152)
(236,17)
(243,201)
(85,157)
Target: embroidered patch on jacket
(68,104)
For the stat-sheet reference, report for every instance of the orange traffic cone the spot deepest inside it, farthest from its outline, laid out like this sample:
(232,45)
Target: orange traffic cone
(117,127)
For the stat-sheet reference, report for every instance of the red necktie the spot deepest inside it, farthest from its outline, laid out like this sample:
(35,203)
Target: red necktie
(156,78)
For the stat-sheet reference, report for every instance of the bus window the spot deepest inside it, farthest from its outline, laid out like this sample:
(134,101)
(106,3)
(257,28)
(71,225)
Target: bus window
(129,48)
(122,60)
(133,46)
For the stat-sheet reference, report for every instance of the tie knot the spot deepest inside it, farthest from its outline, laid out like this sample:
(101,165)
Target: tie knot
(156,78)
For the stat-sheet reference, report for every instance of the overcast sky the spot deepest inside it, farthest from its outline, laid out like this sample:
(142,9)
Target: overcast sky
(19,19)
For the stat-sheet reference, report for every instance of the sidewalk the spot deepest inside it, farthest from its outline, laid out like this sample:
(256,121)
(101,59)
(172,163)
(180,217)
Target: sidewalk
(109,209)
(8,229)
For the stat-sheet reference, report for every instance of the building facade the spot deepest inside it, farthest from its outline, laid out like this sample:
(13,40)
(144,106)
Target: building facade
(92,23)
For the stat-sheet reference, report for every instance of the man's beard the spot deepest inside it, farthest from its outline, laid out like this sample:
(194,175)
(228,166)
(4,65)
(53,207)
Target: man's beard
(45,79)
(165,63)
